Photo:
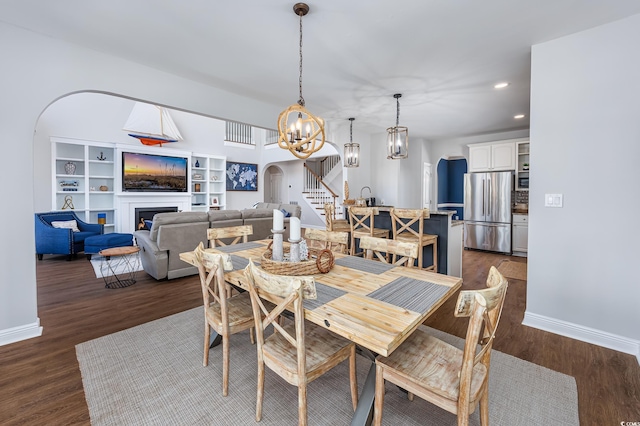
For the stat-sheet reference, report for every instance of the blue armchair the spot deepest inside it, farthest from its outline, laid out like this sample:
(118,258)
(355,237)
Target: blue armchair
(50,240)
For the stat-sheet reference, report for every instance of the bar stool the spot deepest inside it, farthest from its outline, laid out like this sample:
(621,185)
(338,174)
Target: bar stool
(402,220)
(332,223)
(361,219)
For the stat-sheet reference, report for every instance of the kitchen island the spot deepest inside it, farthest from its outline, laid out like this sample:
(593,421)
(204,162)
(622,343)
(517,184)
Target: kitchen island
(449,234)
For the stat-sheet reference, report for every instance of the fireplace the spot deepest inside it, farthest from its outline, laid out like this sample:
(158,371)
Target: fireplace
(143,214)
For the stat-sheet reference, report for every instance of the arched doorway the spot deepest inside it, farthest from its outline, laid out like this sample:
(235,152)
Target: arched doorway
(274,185)
(451,185)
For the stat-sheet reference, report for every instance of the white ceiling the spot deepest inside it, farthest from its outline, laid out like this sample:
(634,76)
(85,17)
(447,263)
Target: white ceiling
(443,56)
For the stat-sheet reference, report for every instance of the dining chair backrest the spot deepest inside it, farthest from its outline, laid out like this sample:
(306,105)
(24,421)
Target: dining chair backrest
(238,233)
(404,252)
(330,240)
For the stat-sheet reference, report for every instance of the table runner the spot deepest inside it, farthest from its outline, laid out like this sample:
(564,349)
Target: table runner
(238,247)
(409,293)
(365,265)
(325,294)
(239,262)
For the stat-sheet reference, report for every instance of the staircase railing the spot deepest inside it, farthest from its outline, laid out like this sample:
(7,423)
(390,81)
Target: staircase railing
(327,164)
(314,184)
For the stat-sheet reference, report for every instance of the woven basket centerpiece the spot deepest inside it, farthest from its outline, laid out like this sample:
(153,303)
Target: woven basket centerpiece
(319,262)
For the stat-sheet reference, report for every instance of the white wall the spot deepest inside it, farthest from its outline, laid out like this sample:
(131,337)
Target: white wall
(360,176)
(36,71)
(585,144)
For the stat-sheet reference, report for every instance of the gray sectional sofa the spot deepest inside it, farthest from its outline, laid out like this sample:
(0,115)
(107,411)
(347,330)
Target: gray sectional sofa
(174,233)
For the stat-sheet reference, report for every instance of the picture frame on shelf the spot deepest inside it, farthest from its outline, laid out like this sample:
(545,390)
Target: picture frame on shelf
(215,201)
(241,176)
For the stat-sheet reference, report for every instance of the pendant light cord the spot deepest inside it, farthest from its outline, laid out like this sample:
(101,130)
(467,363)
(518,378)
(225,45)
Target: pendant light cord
(301,100)
(397,111)
(351,131)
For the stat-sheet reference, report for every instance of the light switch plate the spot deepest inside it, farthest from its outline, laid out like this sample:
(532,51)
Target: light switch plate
(553,200)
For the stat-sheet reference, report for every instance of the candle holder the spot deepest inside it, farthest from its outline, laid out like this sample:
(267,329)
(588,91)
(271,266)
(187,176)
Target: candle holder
(294,250)
(277,247)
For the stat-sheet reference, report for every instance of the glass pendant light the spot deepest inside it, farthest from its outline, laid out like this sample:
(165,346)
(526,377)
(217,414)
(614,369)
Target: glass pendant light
(351,150)
(398,136)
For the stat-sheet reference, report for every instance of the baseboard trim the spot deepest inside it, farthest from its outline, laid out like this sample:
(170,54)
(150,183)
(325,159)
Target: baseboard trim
(23,332)
(584,334)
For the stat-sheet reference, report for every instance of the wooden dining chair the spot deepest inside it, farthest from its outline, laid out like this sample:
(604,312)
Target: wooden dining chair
(226,316)
(332,223)
(362,224)
(456,380)
(329,240)
(404,222)
(299,352)
(238,233)
(400,253)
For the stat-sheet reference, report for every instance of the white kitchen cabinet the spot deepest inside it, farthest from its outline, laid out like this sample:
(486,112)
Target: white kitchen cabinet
(520,234)
(522,171)
(493,156)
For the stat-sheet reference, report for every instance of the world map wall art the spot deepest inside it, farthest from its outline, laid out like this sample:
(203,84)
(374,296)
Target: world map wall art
(242,176)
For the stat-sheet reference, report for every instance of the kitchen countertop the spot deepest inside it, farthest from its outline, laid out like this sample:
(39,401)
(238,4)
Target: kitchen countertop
(442,212)
(438,212)
(525,212)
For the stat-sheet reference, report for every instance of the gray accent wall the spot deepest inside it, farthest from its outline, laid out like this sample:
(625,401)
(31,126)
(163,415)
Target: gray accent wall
(585,144)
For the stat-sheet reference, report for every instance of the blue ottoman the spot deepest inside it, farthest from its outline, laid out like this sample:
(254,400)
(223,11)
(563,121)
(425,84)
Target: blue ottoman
(93,245)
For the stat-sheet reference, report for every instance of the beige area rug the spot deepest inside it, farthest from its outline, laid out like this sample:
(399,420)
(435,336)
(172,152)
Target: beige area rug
(511,269)
(153,375)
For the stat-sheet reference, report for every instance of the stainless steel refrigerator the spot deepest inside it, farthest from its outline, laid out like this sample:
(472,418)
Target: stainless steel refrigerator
(487,211)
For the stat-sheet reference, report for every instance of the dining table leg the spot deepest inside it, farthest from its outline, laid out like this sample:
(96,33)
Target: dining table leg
(215,339)
(363,416)
(364,411)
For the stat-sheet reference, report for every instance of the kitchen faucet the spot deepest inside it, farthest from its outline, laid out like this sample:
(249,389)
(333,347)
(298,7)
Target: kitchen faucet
(363,190)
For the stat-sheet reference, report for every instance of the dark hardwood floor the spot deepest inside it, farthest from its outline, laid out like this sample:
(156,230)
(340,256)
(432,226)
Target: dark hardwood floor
(40,381)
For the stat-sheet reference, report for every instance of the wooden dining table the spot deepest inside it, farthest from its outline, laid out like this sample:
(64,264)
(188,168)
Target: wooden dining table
(374,304)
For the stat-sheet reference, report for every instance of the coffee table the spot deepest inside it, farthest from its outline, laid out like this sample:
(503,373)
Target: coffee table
(119,266)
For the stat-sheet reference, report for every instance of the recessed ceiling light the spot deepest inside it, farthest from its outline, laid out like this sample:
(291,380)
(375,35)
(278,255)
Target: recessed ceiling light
(501,85)
(519,116)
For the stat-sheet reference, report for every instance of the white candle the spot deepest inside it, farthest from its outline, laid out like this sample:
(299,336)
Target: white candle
(278,220)
(295,228)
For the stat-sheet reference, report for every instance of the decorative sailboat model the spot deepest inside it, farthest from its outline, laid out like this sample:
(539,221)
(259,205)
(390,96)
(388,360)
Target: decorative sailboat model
(152,125)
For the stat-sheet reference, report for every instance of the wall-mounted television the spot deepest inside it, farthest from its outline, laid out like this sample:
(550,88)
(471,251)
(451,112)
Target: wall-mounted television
(153,173)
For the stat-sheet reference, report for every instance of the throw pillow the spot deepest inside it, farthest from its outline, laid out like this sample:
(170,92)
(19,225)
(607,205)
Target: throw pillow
(285,213)
(66,224)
